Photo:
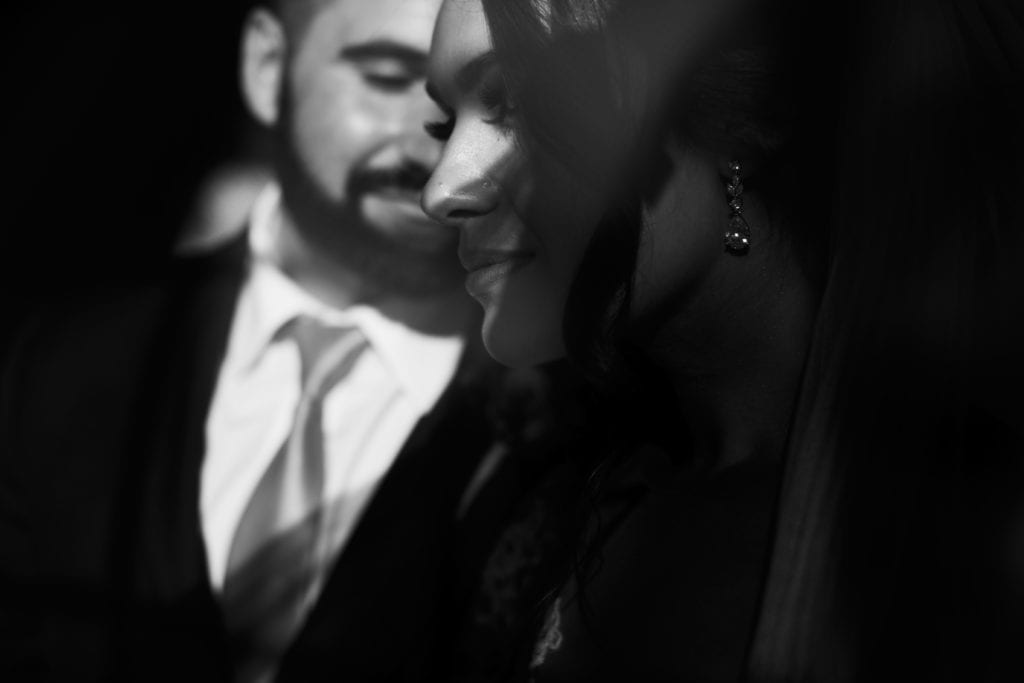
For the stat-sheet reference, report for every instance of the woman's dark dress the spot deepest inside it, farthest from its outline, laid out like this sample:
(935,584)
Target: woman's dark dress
(671,593)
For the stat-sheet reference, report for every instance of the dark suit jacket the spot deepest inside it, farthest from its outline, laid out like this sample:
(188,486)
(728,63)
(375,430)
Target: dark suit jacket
(103,565)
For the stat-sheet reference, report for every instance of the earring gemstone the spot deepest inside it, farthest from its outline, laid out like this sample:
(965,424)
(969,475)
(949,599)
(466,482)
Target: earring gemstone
(737,237)
(736,241)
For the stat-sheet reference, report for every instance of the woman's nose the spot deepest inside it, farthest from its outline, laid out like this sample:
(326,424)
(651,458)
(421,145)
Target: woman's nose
(458,190)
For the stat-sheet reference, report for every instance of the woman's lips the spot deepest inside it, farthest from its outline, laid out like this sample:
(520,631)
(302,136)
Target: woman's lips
(485,268)
(475,259)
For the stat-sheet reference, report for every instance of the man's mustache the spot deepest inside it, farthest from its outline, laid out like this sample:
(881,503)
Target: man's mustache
(409,176)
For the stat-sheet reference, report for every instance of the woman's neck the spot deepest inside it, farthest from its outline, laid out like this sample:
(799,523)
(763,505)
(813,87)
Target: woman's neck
(735,354)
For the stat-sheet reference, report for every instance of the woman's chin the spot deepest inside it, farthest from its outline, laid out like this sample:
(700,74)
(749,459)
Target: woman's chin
(517,344)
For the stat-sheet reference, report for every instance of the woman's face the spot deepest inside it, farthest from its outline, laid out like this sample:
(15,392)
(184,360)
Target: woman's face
(522,232)
(523,228)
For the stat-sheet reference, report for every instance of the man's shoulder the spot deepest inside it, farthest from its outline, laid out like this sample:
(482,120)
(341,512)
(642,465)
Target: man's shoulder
(138,301)
(87,320)
(106,331)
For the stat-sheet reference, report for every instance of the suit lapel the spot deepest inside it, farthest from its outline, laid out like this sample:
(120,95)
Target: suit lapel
(385,600)
(169,584)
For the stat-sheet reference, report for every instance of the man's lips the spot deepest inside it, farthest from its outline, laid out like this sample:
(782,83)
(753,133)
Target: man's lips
(399,217)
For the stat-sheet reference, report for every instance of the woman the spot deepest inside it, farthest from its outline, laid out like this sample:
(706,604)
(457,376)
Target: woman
(740,228)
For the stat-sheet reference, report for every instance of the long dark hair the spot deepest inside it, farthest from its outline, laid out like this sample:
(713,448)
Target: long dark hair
(891,135)
(906,456)
(601,96)
(594,97)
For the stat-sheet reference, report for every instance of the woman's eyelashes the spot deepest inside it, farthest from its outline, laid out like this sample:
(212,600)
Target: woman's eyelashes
(494,99)
(494,96)
(440,130)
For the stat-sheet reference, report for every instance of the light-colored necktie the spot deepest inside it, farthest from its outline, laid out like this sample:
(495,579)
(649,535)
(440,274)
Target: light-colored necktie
(279,553)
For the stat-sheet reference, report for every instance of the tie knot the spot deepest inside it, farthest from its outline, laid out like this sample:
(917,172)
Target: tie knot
(326,352)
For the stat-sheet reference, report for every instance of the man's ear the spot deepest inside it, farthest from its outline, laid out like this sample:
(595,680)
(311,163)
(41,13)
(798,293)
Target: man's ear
(264,46)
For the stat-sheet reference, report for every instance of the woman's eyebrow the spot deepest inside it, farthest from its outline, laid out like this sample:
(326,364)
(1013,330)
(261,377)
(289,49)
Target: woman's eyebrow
(466,78)
(469,75)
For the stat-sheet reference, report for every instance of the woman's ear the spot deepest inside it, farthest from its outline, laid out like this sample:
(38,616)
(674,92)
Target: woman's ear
(263,50)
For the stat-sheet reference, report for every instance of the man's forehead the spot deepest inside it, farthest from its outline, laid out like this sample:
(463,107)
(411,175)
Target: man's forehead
(401,22)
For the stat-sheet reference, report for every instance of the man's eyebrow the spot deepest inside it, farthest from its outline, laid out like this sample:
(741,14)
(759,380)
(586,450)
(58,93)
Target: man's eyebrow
(384,49)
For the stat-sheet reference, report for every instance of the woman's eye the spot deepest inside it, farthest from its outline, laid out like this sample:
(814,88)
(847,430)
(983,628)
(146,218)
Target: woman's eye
(440,130)
(495,98)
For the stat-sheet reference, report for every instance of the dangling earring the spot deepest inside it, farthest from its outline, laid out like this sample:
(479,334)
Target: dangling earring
(737,237)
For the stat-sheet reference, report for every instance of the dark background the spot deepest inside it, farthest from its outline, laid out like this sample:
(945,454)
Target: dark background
(112,113)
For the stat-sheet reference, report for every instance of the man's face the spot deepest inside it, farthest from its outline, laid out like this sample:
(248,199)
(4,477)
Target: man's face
(354,155)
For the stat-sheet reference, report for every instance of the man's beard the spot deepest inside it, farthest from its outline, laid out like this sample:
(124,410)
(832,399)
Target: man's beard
(340,232)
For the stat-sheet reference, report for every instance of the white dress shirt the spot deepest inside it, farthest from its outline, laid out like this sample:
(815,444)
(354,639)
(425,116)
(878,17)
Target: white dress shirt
(367,417)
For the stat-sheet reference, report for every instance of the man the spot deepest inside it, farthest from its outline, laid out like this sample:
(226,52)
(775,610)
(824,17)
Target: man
(252,468)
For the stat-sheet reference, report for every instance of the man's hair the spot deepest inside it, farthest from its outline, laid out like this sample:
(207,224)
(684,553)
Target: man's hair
(295,15)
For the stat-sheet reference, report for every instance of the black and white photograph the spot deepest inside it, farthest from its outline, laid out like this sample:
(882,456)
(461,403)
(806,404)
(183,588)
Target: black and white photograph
(512,341)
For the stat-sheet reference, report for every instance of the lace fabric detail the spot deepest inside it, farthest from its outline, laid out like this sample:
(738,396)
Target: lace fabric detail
(550,638)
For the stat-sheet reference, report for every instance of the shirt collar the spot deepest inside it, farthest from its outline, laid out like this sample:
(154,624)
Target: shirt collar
(423,364)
